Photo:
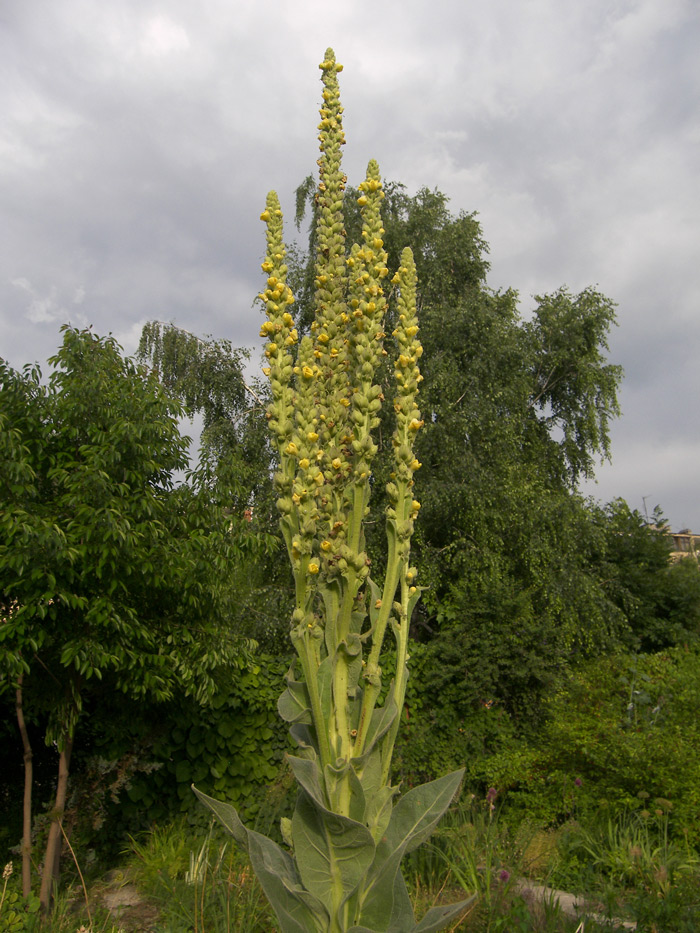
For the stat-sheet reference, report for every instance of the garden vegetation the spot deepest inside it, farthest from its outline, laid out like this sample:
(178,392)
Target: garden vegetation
(146,606)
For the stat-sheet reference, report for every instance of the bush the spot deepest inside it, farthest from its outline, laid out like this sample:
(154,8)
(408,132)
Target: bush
(621,733)
(233,749)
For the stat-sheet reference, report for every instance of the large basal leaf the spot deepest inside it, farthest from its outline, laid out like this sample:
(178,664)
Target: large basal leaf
(297,910)
(418,812)
(412,821)
(437,918)
(378,811)
(377,908)
(332,854)
(402,917)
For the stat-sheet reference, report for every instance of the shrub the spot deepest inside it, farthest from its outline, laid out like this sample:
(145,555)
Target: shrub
(622,732)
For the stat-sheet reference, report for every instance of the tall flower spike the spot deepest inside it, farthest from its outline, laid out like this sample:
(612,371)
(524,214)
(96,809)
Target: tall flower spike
(328,328)
(407,375)
(346,836)
(279,327)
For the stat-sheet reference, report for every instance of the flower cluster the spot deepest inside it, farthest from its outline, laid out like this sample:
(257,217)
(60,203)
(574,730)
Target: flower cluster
(325,405)
(279,327)
(404,508)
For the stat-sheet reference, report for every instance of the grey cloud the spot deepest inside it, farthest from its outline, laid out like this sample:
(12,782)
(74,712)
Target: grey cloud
(139,141)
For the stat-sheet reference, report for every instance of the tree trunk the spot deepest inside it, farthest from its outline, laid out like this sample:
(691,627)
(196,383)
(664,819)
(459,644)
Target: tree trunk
(49,874)
(27,806)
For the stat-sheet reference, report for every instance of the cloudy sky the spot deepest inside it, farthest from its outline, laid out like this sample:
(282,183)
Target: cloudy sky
(138,139)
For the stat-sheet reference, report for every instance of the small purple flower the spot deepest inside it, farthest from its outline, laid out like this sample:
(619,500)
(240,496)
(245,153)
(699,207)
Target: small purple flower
(504,875)
(578,782)
(491,795)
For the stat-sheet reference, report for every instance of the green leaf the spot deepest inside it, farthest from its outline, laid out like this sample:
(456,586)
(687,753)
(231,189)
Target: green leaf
(437,918)
(294,704)
(380,723)
(333,853)
(183,772)
(305,738)
(297,910)
(412,821)
(387,906)
(418,812)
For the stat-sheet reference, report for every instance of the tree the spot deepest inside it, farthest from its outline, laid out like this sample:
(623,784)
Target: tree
(516,412)
(659,600)
(207,377)
(108,572)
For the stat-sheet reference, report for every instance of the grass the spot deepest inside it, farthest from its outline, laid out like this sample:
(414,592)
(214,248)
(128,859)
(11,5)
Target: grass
(198,881)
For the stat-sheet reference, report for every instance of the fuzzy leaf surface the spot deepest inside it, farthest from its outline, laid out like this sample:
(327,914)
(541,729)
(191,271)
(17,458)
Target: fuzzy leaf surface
(297,910)
(333,853)
(437,918)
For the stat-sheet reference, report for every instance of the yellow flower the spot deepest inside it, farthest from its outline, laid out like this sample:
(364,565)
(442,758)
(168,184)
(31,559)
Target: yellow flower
(308,372)
(265,216)
(291,449)
(304,463)
(314,566)
(336,463)
(416,465)
(312,436)
(326,545)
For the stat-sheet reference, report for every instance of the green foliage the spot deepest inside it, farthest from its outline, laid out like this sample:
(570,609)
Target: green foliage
(16,913)
(634,849)
(109,573)
(439,737)
(200,882)
(659,600)
(621,732)
(206,375)
(108,568)
(234,749)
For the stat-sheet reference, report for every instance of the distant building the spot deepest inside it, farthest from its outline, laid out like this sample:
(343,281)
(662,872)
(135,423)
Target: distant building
(685,544)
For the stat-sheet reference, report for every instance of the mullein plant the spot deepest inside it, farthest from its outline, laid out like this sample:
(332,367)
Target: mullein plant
(340,867)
